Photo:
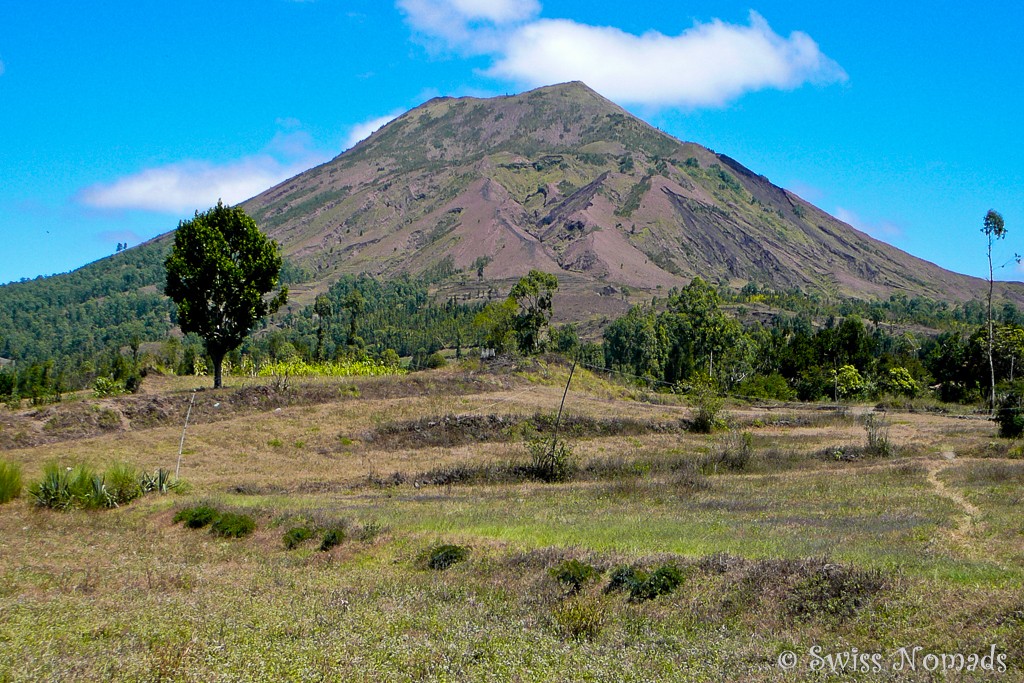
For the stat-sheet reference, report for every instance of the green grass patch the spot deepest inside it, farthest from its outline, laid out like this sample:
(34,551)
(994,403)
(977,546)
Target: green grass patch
(10,481)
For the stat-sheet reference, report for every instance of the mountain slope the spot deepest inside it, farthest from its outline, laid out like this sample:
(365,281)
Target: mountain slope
(563,180)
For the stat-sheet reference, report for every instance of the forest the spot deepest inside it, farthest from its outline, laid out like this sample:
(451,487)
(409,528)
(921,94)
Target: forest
(109,323)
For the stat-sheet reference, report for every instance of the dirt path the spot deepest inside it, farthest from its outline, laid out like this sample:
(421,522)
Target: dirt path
(971,511)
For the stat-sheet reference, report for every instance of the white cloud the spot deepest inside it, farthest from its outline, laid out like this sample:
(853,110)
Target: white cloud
(709,64)
(191,185)
(883,230)
(467,25)
(361,131)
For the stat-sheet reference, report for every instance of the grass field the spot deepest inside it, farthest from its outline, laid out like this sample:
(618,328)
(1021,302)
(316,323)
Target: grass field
(786,530)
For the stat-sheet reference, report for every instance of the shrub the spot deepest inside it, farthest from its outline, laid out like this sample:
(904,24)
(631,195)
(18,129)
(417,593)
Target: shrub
(233,525)
(436,360)
(899,382)
(848,382)
(441,557)
(296,536)
(707,405)
(196,516)
(575,574)
(833,590)
(105,386)
(550,461)
(877,429)
(773,386)
(623,578)
(661,581)
(734,453)
(159,481)
(1010,415)
(10,481)
(123,483)
(582,618)
(332,537)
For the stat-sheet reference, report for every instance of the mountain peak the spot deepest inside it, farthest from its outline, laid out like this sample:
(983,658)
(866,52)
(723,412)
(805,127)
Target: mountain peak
(473,191)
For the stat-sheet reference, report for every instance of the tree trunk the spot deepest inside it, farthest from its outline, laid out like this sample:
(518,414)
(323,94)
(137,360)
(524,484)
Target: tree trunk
(991,361)
(218,362)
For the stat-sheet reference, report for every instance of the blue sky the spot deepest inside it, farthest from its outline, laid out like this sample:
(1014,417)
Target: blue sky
(121,118)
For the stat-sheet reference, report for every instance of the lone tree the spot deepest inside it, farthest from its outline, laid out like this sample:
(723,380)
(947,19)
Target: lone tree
(994,229)
(219,273)
(532,294)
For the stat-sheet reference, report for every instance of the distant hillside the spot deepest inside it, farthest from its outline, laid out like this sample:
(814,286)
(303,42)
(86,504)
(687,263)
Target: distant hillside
(469,194)
(563,180)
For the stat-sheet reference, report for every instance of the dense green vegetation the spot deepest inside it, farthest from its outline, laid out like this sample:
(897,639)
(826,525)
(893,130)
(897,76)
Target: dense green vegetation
(84,330)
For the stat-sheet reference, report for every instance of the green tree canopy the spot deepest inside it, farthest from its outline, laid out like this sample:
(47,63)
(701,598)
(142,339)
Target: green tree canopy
(533,294)
(218,273)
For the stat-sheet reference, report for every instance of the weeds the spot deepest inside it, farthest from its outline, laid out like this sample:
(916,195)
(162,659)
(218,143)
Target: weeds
(550,462)
(878,443)
(734,453)
(833,590)
(582,618)
(10,481)
(123,483)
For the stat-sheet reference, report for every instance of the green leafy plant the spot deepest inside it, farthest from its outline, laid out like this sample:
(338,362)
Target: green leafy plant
(444,556)
(623,578)
(159,482)
(296,536)
(233,525)
(582,617)
(196,516)
(332,537)
(662,581)
(575,574)
(123,482)
(10,481)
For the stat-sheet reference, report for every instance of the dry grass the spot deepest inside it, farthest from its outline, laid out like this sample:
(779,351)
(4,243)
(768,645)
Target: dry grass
(126,595)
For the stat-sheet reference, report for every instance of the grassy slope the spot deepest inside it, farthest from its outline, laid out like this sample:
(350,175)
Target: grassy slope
(126,595)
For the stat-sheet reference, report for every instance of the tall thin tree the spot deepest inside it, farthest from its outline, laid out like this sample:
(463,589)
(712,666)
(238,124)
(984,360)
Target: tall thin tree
(994,229)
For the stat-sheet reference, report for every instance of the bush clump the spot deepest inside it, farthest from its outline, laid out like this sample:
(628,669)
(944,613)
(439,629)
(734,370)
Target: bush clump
(575,574)
(332,537)
(197,516)
(233,525)
(62,488)
(296,536)
(444,556)
(661,581)
(581,618)
(643,586)
(124,483)
(833,590)
(10,481)
(1010,415)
